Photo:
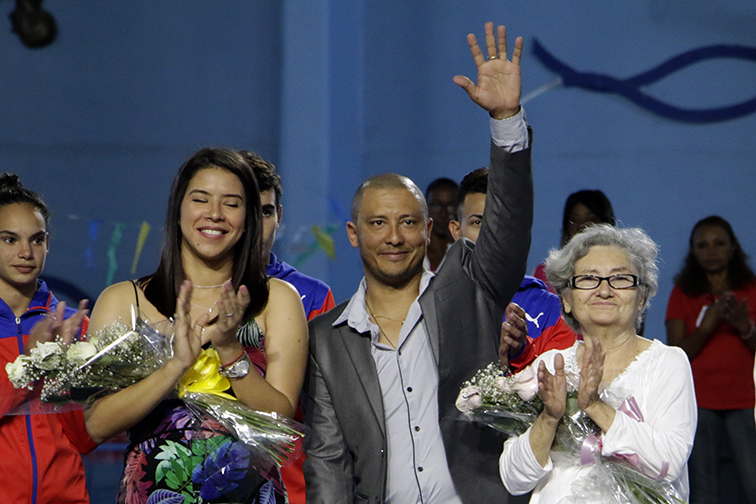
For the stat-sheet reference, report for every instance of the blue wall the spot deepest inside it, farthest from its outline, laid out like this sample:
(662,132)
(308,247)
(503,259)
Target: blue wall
(335,91)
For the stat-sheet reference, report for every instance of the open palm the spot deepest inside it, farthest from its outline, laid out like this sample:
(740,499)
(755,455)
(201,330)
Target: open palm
(499,80)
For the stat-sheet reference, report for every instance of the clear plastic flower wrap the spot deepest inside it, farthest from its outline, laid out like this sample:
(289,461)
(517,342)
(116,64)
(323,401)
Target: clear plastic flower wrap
(59,377)
(225,438)
(509,403)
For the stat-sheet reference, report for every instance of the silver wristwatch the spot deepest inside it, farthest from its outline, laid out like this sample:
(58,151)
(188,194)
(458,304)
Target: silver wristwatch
(237,369)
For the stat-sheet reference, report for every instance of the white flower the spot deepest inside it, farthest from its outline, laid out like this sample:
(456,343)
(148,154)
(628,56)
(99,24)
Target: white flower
(526,383)
(46,355)
(16,373)
(504,384)
(469,398)
(81,351)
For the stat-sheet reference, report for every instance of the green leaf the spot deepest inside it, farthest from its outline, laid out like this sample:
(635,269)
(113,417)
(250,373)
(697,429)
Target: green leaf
(168,451)
(178,469)
(198,447)
(172,481)
(185,451)
(161,470)
(214,443)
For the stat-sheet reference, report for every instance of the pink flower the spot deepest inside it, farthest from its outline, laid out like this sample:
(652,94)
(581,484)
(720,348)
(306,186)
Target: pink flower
(503,384)
(469,399)
(526,383)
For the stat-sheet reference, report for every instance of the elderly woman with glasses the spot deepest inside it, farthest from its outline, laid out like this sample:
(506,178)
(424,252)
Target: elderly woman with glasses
(638,392)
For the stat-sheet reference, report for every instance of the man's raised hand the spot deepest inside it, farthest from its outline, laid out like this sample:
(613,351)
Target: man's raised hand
(499,82)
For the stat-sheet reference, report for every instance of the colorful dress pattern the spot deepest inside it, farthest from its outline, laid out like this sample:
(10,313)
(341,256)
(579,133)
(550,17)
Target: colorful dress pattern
(180,456)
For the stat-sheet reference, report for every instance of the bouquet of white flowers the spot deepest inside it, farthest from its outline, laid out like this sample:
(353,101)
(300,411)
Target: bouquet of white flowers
(120,355)
(117,356)
(509,403)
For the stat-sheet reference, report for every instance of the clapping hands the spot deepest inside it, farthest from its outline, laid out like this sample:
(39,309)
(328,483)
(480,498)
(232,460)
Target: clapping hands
(231,307)
(591,374)
(552,388)
(736,312)
(54,326)
(187,344)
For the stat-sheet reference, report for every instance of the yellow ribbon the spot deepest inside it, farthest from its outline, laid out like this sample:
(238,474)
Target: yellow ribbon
(204,377)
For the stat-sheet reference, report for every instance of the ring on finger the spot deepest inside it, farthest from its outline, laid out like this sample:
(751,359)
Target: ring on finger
(492,57)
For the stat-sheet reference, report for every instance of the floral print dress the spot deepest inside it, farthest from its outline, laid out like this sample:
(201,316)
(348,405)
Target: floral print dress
(179,456)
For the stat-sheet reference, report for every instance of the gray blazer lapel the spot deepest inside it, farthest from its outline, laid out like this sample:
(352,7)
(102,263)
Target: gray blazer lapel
(358,348)
(430,319)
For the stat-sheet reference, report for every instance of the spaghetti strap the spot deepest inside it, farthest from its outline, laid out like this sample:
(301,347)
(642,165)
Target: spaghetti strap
(136,293)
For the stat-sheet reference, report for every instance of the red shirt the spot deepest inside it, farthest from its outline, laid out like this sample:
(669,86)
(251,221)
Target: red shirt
(723,369)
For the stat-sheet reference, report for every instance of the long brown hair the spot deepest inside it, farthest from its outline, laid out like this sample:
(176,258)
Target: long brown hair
(692,278)
(162,287)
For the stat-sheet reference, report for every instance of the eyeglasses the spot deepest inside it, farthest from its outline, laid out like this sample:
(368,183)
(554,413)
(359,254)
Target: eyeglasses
(588,282)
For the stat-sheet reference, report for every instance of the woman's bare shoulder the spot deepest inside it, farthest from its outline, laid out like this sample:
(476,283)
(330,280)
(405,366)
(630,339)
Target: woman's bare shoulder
(115,302)
(283,303)
(281,290)
(120,293)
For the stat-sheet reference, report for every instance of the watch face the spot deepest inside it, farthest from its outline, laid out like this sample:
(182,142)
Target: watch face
(238,369)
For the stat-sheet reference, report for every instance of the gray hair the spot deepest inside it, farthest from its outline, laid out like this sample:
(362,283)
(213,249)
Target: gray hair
(388,181)
(560,265)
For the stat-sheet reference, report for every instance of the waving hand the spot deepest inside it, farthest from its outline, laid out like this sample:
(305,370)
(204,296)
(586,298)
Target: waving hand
(499,82)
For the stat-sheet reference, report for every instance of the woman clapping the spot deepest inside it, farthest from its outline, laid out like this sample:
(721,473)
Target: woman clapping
(211,278)
(605,277)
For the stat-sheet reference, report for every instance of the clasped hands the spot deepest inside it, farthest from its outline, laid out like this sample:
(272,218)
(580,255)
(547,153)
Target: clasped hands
(728,308)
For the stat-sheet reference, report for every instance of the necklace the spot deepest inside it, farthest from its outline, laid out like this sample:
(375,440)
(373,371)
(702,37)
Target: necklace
(209,286)
(204,308)
(380,329)
(385,317)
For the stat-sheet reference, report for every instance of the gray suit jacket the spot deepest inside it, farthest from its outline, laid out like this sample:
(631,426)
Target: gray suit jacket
(462,308)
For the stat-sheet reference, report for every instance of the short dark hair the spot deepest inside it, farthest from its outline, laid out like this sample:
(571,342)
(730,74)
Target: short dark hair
(692,278)
(11,191)
(475,182)
(162,287)
(441,182)
(595,200)
(265,172)
(387,181)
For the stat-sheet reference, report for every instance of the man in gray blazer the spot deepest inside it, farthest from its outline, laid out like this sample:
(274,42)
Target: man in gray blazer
(386,366)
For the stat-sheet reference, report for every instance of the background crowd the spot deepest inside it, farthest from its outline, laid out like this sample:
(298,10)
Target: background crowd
(723,325)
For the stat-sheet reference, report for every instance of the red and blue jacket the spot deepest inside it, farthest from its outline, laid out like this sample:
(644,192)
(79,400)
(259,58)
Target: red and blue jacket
(317,298)
(40,461)
(546,328)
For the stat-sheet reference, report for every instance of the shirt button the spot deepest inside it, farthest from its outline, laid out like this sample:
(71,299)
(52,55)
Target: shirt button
(417,428)
(409,389)
(419,469)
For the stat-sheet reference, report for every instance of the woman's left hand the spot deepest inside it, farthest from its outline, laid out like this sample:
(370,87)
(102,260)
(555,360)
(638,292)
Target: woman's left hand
(55,326)
(590,375)
(736,313)
(231,306)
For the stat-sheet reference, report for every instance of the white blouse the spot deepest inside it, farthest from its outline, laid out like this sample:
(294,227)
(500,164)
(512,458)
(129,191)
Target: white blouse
(661,382)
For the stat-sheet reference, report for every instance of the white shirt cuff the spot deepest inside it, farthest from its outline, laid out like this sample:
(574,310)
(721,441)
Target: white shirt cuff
(511,134)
